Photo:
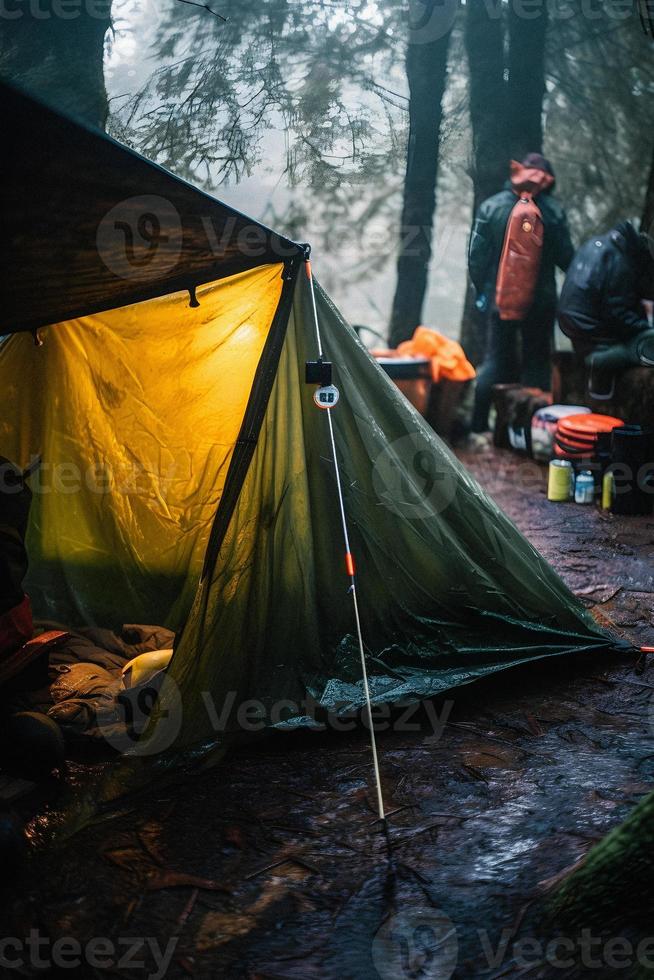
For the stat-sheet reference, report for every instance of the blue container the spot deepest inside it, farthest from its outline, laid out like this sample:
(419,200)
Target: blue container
(585,488)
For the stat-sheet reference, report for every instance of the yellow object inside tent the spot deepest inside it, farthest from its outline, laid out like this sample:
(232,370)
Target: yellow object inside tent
(135,413)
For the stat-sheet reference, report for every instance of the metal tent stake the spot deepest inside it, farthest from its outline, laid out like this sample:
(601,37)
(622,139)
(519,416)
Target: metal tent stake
(349,561)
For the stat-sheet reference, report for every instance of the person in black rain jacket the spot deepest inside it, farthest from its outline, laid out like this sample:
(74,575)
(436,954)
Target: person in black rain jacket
(601,307)
(517,350)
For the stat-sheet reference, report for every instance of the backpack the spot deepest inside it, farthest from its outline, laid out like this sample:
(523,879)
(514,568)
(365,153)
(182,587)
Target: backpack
(519,267)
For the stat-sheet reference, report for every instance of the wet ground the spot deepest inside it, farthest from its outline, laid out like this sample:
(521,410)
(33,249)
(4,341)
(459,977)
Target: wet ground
(272,865)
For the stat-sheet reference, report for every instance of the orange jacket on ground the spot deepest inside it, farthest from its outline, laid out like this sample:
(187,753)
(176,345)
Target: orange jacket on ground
(447,357)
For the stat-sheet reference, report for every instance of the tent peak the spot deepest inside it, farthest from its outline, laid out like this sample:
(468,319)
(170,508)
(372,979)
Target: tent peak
(100,226)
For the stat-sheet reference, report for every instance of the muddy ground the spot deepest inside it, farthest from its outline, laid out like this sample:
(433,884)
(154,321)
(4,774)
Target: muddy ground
(272,865)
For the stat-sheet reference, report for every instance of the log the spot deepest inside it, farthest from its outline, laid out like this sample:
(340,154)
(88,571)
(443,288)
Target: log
(613,887)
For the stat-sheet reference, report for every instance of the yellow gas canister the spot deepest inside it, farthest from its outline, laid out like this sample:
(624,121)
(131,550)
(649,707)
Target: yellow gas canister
(608,489)
(560,482)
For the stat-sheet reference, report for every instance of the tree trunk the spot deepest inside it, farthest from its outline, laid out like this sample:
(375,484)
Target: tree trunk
(56,58)
(506,112)
(484,41)
(526,80)
(426,68)
(647,222)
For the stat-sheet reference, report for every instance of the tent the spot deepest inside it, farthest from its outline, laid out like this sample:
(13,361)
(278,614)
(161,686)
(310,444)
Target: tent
(157,364)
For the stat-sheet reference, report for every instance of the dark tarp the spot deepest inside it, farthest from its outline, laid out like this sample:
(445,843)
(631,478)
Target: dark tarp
(91,226)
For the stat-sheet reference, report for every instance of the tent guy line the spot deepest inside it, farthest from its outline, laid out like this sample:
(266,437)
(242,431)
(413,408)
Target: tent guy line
(349,563)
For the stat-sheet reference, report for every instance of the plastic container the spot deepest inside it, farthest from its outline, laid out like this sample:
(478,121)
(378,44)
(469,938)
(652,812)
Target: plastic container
(585,488)
(543,428)
(608,490)
(412,375)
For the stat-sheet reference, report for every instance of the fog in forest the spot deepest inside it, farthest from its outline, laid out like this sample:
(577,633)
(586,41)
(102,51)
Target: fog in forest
(355,231)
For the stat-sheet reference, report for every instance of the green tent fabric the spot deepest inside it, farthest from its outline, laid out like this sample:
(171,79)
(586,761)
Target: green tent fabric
(249,538)
(449,589)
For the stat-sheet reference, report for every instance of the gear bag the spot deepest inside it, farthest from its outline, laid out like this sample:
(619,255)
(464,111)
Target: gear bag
(519,266)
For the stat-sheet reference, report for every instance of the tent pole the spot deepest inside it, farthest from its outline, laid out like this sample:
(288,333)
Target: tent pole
(351,571)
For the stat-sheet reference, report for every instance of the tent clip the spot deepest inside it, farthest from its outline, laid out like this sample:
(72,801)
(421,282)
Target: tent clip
(193,300)
(291,265)
(38,339)
(318,372)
